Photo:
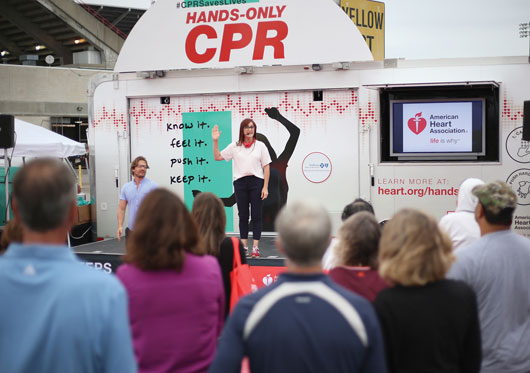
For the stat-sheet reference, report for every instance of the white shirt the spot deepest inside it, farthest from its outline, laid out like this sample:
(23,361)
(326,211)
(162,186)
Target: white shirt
(247,161)
(461,225)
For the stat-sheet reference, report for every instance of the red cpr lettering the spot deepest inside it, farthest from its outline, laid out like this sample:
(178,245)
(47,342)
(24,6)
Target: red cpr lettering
(191,17)
(223,15)
(275,42)
(191,43)
(228,43)
(280,10)
(202,17)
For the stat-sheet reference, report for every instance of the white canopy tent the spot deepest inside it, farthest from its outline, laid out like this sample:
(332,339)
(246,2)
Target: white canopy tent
(35,141)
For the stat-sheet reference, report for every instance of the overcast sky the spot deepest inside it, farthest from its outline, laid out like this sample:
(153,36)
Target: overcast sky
(417,29)
(455,28)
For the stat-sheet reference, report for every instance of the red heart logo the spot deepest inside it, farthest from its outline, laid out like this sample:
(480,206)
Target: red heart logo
(417,124)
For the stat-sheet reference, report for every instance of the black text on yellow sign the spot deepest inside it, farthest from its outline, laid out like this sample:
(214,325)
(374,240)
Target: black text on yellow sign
(369,17)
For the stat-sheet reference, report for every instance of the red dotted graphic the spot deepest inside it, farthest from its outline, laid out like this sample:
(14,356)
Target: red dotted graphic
(367,114)
(109,119)
(511,111)
(298,106)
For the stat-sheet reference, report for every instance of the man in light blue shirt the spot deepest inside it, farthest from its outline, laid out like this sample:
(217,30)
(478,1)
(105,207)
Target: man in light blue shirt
(133,193)
(497,267)
(57,314)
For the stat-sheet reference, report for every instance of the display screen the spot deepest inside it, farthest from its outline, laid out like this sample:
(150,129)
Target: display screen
(437,129)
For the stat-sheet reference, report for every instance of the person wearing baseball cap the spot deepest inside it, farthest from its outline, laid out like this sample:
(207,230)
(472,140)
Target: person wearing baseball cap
(497,267)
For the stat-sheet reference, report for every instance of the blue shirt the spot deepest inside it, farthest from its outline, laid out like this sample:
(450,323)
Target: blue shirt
(134,196)
(302,323)
(59,315)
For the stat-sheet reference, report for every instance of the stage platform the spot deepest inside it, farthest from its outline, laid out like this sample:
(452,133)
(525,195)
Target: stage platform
(106,254)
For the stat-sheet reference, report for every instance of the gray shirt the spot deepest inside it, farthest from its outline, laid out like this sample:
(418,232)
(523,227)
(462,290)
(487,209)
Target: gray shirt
(497,267)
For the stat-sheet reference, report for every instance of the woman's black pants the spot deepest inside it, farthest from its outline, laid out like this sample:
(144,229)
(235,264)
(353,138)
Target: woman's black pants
(248,194)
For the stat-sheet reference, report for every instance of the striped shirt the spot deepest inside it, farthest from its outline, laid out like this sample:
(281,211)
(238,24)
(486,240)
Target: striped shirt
(302,323)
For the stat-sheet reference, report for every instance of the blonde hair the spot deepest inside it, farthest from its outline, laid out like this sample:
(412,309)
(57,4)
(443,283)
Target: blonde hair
(412,250)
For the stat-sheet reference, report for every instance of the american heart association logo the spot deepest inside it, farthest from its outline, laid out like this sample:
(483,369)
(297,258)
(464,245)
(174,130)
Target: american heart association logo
(417,124)
(267,280)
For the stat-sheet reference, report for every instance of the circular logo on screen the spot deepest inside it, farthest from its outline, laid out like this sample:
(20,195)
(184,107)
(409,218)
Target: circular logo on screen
(316,167)
(517,149)
(519,180)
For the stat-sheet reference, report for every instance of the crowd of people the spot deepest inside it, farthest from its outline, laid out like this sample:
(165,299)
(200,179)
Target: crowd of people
(398,297)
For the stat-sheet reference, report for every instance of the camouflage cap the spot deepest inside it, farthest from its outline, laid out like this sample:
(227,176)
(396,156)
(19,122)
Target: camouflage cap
(495,196)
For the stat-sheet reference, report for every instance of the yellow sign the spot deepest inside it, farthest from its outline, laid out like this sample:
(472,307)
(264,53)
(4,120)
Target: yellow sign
(369,16)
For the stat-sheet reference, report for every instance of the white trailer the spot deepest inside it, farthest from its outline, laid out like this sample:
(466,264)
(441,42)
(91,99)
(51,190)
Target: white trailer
(175,79)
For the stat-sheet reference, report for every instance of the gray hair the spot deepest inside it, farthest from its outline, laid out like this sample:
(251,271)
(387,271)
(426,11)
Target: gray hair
(304,230)
(44,190)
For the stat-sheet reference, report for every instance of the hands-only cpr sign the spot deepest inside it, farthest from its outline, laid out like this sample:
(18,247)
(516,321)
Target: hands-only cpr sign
(237,35)
(174,35)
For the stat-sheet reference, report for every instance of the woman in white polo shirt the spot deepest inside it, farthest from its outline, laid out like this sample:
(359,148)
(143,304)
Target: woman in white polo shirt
(251,177)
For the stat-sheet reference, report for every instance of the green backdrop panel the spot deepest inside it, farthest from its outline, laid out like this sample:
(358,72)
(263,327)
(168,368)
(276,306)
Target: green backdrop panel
(12,172)
(208,175)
